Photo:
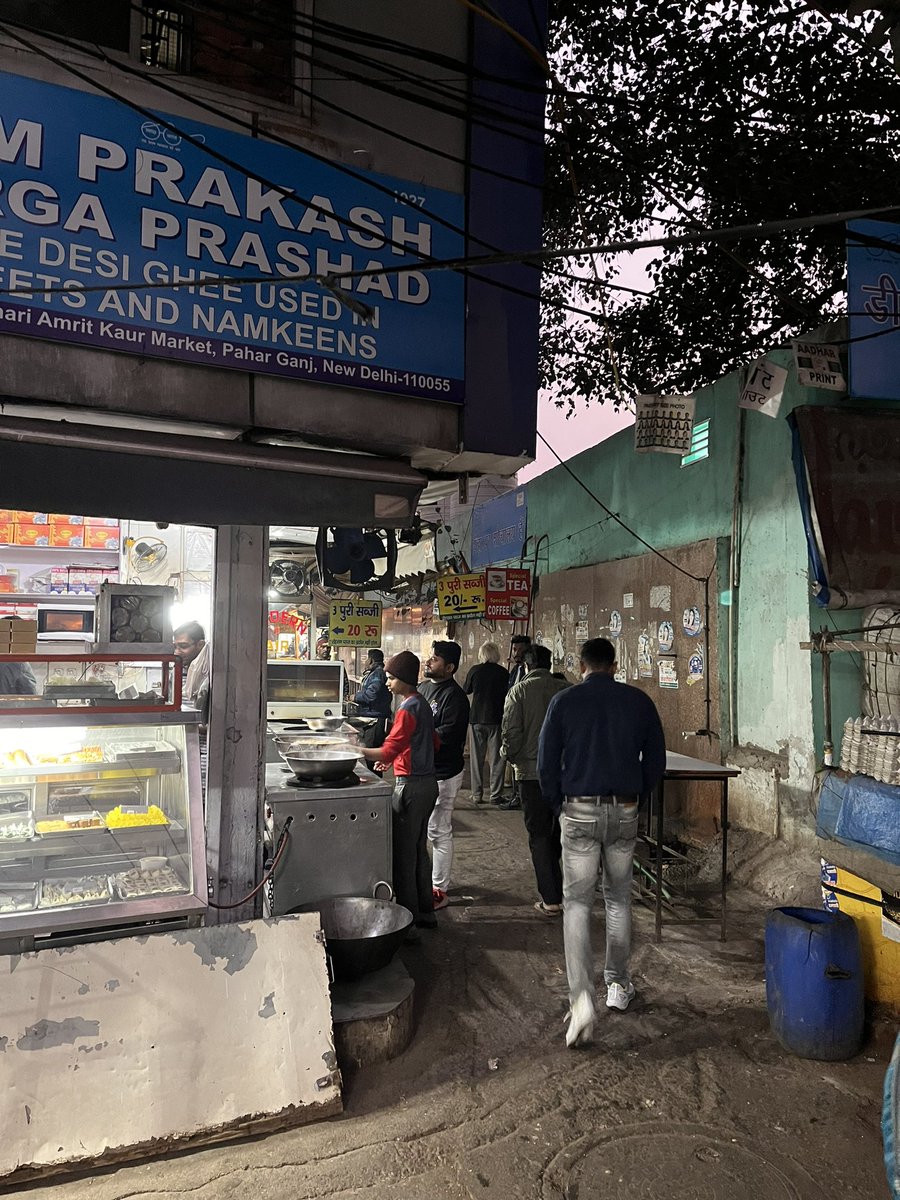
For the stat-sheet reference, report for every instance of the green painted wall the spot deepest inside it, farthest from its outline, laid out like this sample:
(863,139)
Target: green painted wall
(778,727)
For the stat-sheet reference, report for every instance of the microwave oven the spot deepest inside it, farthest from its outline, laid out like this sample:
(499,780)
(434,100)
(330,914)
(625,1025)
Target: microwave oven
(66,622)
(297,689)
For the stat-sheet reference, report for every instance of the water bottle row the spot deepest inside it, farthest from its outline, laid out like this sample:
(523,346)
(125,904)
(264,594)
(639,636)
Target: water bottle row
(871,746)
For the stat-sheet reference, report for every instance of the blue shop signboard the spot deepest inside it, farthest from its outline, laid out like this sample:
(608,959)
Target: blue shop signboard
(94,196)
(499,529)
(873,294)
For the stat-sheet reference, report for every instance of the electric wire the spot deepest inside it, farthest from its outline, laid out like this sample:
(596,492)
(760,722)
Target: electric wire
(341,53)
(289,196)
(320,100)
(615,517)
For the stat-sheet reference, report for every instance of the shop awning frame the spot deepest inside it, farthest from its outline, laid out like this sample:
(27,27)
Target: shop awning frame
(61,466)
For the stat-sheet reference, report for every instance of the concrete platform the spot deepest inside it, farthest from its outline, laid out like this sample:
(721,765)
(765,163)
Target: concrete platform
(373,1016)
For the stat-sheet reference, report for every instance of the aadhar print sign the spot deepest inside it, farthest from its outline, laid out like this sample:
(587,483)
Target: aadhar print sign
(507,595)
(354,623)
(96,196)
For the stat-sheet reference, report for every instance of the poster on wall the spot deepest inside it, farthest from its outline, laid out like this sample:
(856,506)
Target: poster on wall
(664,424)
(101,204)
(615,624)
(355,623)
(645,657)
(692,621)
(668,677)
(695,667)
(666,636)
(507,594)
(460,596)
(764,388)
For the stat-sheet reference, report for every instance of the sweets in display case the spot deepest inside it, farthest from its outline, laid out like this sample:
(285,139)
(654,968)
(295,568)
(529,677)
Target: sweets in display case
(84,889)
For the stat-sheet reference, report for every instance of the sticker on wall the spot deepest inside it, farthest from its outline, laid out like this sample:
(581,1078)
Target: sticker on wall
(661,597)
(615,623)
(581,631)
(645,657)
(570,661)
(667,675)
(539,638)
(692,621)
(471,640)
(559,646)
(695,667)
(666,636)
(628,600)
(582,612)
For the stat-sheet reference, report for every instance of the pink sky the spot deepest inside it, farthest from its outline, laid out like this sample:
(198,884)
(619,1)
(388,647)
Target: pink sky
(588,425)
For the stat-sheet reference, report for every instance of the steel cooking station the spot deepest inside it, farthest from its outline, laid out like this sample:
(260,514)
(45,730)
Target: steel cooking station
(340,835)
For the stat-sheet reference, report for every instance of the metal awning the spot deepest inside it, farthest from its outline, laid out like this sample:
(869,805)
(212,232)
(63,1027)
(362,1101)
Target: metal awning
(55,466)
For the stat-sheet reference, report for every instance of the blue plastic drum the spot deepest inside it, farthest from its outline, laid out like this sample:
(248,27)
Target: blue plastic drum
(814,982)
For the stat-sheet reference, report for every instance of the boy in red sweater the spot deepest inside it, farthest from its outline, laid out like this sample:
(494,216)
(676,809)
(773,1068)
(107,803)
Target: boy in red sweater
(410,747)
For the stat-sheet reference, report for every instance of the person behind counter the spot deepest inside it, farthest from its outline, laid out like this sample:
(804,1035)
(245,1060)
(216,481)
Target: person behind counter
(374,699)
(410,746)
(192,648)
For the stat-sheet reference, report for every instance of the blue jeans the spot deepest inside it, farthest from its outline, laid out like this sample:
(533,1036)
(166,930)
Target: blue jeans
(591,834)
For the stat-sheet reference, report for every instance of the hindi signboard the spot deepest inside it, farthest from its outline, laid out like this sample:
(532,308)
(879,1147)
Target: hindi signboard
(460,596)
(873,298)
(663,423)
(764,388)
(507,594)
(499,528)
(355,623)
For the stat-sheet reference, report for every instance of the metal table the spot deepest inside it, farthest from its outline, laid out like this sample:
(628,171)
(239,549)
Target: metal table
(682,766)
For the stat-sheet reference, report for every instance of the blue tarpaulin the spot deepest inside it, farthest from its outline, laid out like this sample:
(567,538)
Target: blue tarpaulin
(862,813)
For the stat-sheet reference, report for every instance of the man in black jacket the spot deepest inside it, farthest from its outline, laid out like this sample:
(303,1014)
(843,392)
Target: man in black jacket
(451,722)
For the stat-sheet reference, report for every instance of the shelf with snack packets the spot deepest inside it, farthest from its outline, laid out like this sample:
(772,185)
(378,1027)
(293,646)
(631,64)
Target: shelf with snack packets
(58,531)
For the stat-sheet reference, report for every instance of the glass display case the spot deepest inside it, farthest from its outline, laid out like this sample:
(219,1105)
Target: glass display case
(101,822)
(123,682)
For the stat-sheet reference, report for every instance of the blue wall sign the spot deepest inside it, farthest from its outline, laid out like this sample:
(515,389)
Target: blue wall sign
(873,294)
(95,195)
(499,529)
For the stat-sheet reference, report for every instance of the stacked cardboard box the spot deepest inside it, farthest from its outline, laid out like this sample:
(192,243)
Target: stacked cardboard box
(58,530)
(17,636)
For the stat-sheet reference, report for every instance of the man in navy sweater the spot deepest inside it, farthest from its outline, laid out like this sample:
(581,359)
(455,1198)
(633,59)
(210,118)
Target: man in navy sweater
(601,749)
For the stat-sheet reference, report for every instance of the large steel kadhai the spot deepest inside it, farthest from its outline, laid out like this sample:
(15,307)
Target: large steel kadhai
(362,934)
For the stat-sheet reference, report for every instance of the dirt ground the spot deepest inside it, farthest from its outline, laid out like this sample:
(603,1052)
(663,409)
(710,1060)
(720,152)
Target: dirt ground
(687,1096)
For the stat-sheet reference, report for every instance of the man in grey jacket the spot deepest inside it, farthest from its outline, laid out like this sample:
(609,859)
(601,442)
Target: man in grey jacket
(523,715)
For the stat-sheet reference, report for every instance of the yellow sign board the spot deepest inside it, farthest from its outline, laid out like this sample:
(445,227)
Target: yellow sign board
(355,623)
(461,596)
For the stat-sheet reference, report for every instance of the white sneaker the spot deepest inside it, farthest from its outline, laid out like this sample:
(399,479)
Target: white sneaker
(581,1021)
(618,996)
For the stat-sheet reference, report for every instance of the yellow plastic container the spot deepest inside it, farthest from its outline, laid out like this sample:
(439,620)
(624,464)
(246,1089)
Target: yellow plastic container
(881,955)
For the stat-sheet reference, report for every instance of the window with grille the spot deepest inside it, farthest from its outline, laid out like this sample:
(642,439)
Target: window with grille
(254,46)
(699,444)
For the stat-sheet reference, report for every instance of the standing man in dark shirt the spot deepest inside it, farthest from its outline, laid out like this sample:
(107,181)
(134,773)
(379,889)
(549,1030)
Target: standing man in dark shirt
(601,749)
(523,717)
(373,698)
(487,684)
(517,647)
(451,722)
